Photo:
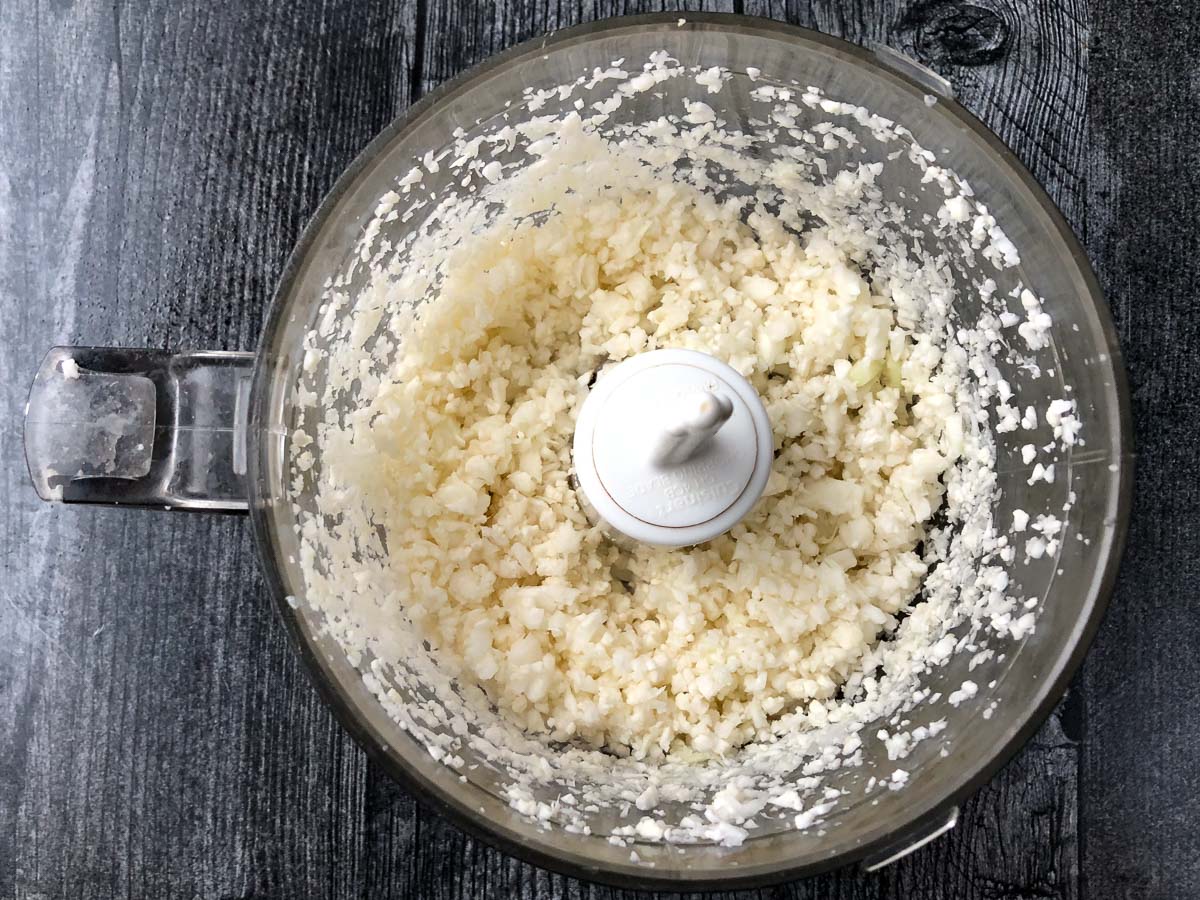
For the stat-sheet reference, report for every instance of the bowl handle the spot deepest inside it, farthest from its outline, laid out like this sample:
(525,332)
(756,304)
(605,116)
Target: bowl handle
(141,428)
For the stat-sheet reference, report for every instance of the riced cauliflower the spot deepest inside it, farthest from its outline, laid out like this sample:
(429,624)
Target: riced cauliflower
(466,452)
(667,694)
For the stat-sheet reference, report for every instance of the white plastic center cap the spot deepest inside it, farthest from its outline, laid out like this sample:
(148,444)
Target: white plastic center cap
(672,447)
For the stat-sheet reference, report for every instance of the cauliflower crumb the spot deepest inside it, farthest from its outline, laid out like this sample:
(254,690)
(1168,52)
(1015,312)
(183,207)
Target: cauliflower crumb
(1060,416)
(713,79)
(968,690)
(1036,327)
(1041,473)
(648,799)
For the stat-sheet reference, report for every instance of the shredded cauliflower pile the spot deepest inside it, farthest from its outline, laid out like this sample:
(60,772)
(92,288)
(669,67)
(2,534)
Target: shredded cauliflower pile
(464,453)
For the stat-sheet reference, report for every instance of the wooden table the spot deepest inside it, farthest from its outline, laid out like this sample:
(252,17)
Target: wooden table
(157,160)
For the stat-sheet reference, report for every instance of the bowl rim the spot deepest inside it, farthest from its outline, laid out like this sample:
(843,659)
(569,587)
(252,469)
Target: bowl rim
(415,782)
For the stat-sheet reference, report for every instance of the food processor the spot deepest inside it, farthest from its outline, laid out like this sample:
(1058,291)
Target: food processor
(214,431)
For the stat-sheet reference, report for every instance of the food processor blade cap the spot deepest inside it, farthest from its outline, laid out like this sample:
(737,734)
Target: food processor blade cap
(672,447)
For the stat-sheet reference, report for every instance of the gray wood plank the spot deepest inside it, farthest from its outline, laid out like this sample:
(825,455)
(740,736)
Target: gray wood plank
(1140,801)
(156,162)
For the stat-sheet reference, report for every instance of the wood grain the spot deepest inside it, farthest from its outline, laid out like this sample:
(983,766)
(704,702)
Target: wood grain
(156,163)
(157,160)
(1140,778)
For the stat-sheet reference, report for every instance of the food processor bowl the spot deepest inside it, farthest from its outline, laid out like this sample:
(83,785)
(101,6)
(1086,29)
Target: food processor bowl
(238,416)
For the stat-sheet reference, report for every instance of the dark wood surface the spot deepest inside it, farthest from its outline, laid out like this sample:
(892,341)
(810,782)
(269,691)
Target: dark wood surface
(157,160)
